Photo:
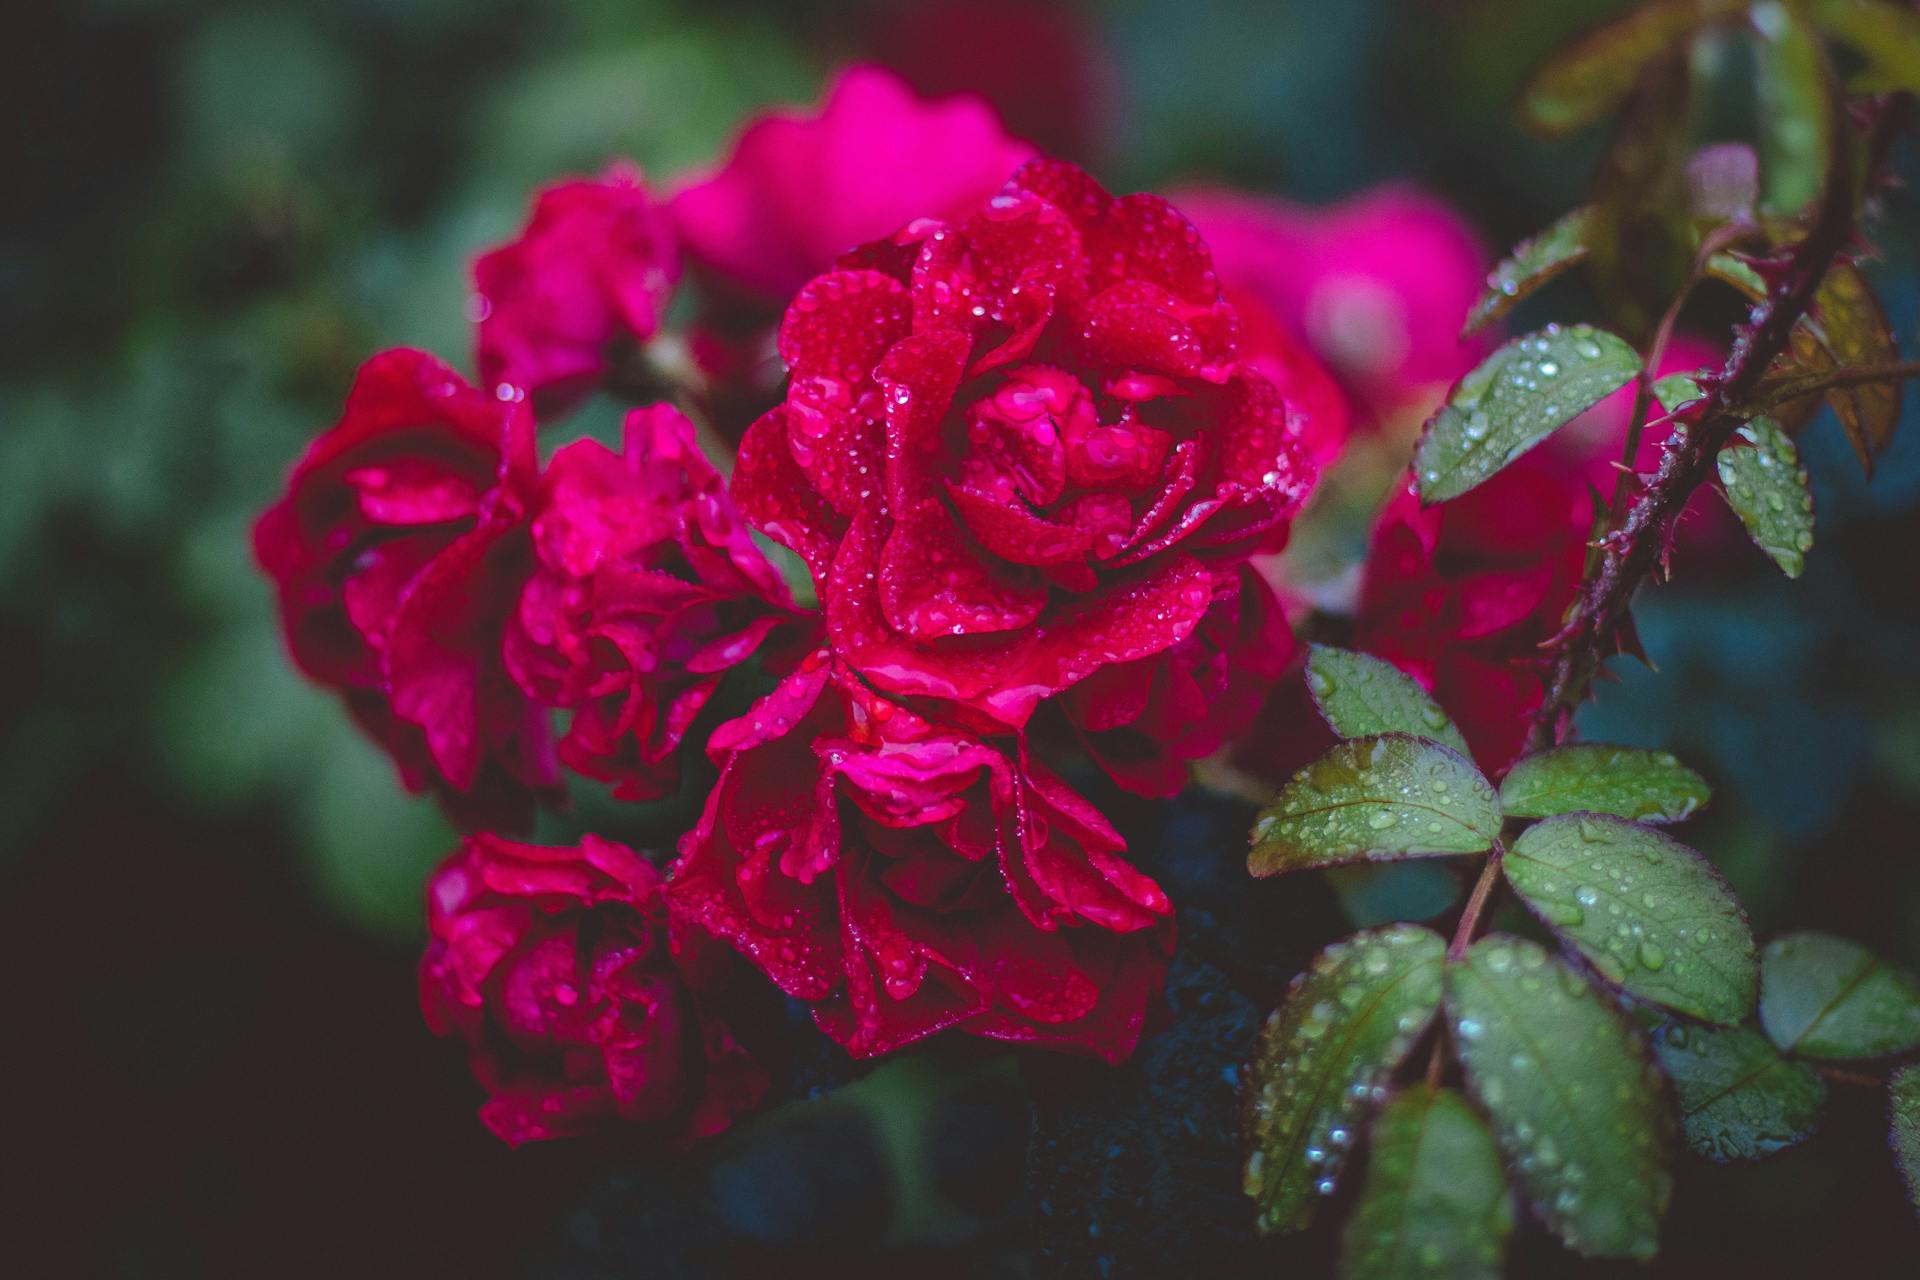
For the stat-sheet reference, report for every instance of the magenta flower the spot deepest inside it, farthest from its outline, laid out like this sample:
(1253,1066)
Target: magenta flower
(904,876)
(801,189)
(557,969)
(595,266)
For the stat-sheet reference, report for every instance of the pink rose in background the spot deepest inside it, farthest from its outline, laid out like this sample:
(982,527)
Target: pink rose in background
(596,263)
(1377,286)
(802,188)
(1461,595)
(1309,387)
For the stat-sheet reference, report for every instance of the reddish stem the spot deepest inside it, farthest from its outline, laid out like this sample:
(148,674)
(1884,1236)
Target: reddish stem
(1463,933)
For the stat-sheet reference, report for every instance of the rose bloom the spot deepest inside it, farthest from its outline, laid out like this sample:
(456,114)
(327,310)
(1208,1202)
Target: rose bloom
(558,970)
(903,876)
(595,265)
(1461,595)
(1376,287)
(764,223)
(647,589)
(396,553)
(1019,447)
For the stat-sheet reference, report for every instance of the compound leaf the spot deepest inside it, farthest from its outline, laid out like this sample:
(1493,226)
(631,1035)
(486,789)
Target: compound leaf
(1649,914)
(1904,1104)
(1379,798)
(1435,1201)
(1764,483)
(1592,77)
(1530,267)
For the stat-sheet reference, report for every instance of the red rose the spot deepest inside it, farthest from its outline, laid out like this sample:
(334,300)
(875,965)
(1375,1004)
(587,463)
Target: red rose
(647,589)
(397,551)
(555,966)
(597,262)
(799,190)
(905,877)
(1308,387)
(1461,595)
(1019,447)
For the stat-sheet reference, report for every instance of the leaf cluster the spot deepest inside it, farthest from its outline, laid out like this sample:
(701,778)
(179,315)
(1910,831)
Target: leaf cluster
(1559,1075)
(1666,216)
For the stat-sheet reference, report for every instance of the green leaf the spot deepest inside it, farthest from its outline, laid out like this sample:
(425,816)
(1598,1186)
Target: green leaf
(1739,1099)
(1529,268)
(1795,108)
(1733,270)
(1904,1107)
(1677,389)
(1379,798)
(1851,328)
(1826,997)
(1574,1100)
(1651,915)
(1435,1201)
(1767,488)
(1520,395)
(1359,694)
(1886,35)
(1847,329)
(1322,1060)
(1593,77)
(1648,786)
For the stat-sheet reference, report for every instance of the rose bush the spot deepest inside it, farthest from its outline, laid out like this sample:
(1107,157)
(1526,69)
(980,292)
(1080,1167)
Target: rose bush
(559,971)
(1021,446)
(904,876)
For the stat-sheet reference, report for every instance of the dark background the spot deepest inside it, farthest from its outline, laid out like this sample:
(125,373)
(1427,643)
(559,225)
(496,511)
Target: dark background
(209,885)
